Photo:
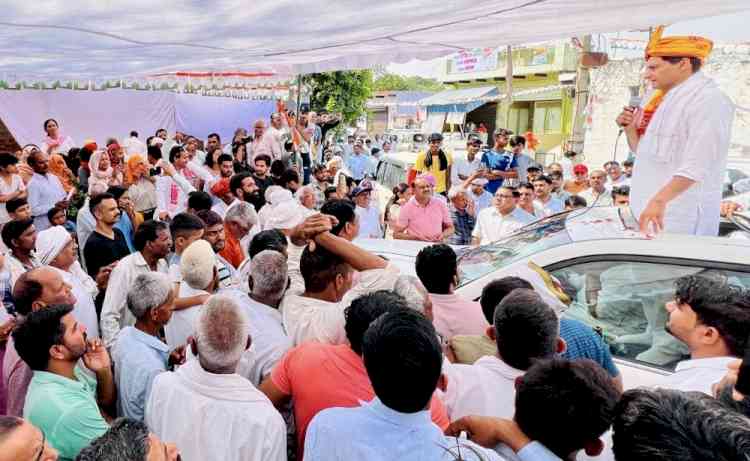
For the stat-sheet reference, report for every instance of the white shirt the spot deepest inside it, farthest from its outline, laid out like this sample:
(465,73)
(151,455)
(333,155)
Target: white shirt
(221,207)
(698,374)
(492,226)
(594,199)
(173,200)
(84,289)
(44,192)
(269,340)
(133,145)
(621,181)
(309,319)
(182,323)
(61,149)
(369,222)
(462,166)
(16,184)
(115,313)
(678,142)
(487,388)
(552,206)
(215,417)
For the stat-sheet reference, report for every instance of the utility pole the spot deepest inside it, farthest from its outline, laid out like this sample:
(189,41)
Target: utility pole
(583,80)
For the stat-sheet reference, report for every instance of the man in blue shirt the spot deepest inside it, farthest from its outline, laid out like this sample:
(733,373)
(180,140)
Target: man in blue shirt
(499,163)
(404,360)
(359,162)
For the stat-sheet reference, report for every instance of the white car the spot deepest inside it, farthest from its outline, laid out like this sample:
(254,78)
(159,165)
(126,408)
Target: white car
(618,280)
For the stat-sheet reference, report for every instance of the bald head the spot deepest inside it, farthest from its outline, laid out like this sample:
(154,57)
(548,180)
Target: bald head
(40,287)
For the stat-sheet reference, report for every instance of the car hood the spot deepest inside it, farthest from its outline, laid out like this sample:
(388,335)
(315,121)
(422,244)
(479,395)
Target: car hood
(401,252)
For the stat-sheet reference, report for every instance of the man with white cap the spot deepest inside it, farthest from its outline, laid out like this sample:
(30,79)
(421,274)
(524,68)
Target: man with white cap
(199,277)
(476,191)
(56,248)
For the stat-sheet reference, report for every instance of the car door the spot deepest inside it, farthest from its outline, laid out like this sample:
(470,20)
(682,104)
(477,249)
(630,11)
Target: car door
(623,298)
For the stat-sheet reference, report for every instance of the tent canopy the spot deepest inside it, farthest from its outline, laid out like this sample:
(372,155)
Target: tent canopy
(459,101)
(88,39)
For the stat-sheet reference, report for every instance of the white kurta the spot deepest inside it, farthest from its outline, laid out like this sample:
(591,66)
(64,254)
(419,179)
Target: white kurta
(688,137)
(215,417)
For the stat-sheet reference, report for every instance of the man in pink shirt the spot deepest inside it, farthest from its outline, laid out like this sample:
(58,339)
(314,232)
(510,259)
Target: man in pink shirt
(437,268)
(424,217)
(319,376)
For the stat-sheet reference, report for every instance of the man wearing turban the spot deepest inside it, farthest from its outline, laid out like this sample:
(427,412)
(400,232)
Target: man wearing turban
(681,140)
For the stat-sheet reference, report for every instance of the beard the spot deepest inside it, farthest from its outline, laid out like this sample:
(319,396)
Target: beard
(254,198)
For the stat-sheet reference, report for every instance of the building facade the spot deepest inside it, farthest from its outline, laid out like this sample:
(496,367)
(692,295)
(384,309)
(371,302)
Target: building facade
(542,84)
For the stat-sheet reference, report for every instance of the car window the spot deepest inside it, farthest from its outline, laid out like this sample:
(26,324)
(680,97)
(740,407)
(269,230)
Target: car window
(393,174)
(625,302)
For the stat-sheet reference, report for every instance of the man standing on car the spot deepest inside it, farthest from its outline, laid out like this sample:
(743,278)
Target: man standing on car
(677,180)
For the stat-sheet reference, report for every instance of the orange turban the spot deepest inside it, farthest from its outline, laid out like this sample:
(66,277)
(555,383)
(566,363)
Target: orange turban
(686,46)
(221,187)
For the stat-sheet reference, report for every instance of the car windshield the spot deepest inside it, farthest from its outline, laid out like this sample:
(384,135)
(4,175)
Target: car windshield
(553,231)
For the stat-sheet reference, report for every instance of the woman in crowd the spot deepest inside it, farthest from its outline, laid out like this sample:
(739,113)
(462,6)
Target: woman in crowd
(55,141)
(58,168)
(239,153)
(117,161)
(401,195)
(141,186)
(102,171)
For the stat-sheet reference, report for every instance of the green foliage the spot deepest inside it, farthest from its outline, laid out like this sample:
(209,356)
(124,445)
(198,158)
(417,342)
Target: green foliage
(394,82)
(340,91)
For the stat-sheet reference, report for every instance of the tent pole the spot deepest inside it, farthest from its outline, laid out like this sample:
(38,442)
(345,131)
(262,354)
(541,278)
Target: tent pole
(299,92)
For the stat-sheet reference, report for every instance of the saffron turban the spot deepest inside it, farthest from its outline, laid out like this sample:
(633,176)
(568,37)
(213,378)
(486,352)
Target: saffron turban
(684,46)
(221,187)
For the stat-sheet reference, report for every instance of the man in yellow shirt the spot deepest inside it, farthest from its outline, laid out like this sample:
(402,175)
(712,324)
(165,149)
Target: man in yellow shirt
(438,163)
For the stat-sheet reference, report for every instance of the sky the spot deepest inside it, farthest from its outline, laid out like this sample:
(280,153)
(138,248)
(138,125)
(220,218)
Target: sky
(726,29)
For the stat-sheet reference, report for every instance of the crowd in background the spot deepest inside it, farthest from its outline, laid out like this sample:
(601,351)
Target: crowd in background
(174,297)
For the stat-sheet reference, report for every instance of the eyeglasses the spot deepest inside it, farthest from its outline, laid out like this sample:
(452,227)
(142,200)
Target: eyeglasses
(504,195)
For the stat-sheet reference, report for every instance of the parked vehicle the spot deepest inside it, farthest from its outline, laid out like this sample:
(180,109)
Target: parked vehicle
(617,279)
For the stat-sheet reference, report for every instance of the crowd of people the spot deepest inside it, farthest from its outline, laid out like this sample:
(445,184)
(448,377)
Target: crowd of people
(175,299)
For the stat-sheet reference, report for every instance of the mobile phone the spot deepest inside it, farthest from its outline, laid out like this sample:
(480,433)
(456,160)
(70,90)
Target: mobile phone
(156,171)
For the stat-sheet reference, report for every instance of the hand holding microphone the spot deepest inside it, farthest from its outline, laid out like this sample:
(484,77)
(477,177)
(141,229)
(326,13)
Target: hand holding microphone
(627,118)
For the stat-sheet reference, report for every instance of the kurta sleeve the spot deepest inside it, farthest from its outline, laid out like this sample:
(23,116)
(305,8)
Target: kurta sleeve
(114,303)
(710,120)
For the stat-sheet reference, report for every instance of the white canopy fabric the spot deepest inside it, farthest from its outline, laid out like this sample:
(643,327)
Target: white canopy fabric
(51,40)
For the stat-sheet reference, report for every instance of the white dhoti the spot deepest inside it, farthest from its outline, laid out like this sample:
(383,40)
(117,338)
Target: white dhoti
(688,137)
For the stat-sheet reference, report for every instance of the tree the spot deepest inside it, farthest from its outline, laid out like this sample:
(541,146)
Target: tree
(341,91)
(395,82)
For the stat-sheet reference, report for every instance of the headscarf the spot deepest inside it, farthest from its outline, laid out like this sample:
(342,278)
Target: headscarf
(111,149)
(50,242)
(130,167)
(97,176)
(58,168)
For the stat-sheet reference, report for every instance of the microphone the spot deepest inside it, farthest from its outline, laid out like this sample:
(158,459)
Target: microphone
(633,104)
(635,99)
